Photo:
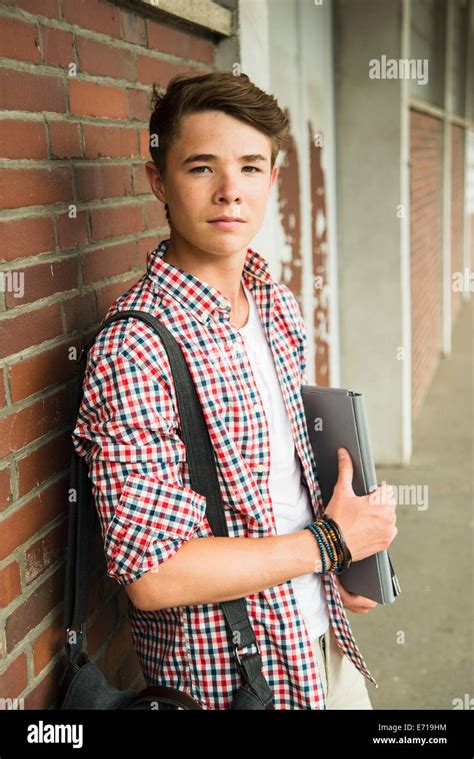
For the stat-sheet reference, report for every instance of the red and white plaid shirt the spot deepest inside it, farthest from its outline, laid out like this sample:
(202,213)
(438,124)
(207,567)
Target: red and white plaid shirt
(128,430)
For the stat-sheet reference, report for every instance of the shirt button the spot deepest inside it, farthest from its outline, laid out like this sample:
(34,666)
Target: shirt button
(257,408)
(261,468)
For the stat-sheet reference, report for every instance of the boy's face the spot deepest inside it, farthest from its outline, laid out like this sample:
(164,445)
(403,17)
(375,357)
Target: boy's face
(227,185)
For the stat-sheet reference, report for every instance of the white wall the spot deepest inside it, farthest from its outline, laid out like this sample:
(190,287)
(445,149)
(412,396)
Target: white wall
(286,48)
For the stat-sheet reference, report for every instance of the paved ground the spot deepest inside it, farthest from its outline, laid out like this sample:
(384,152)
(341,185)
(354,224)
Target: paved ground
(432,553)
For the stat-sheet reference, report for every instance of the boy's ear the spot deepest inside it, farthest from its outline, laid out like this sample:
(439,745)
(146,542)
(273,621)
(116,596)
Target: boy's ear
(274,175)
(155,181)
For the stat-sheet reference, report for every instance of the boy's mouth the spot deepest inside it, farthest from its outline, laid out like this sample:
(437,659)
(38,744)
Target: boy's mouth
(227,223)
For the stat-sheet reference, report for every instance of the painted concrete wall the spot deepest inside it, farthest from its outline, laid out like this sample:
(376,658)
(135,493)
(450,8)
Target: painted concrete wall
(427,34)
(341,209)
(286,48)
(373,287)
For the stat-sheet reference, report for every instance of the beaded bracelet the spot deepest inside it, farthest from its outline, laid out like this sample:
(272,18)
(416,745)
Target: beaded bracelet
(328,534)
(332,538)
(319,530)
(322,542)
(340,540)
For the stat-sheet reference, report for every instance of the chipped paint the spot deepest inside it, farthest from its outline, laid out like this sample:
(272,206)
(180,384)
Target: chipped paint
(290,216)
(319,259)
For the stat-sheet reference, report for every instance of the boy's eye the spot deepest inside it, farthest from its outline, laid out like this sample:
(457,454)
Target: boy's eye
(196,169)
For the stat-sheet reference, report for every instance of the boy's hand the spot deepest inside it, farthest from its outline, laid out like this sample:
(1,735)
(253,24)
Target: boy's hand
(357,604)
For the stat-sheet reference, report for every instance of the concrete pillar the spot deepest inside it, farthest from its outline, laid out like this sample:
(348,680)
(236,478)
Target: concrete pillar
(447,159)
(373,208)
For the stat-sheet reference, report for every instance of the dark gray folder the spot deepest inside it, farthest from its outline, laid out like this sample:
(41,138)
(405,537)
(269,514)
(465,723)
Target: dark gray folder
(336,418)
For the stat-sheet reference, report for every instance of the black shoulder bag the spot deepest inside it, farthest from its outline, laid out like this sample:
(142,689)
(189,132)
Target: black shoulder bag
(83,685)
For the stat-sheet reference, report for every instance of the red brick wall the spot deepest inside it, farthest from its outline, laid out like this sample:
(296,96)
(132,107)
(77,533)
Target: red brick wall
(65,141)
(457,212)
(426,143)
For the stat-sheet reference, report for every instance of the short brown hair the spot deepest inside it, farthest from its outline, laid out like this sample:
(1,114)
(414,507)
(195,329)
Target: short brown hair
(217,91)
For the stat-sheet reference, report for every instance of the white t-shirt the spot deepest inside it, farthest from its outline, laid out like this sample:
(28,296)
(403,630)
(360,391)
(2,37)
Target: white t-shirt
(290,498)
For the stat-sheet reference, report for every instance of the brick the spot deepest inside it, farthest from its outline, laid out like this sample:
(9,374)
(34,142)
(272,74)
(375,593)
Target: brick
(41,371)
(104,181)
(116,221)
(133,28)
(151,69)
(121,599)
(104,60)
(30,187)
(13,143)
(89,99)
(165,39)
(457,212)
(144,141)
(3,399)
(37,606)
(26,237)
(47,645)
(45,93)
(44,280)
(27,329)
(47,8)
(109,141)
(107,586)
(145,246)
(15,678)
(42,509)
(79,312)
(45,695)
(111,675)
(138,105)
(109,293)
(6,497)
(64,139)
(72,231)
(57,47)
(130,673)
(44,462)
(92,14)
(118,648)
(110,261)
(45,552)
(155,214)
(19,40)
(93,601)
(10,584)
(101,629)
(141,185)
(425,218)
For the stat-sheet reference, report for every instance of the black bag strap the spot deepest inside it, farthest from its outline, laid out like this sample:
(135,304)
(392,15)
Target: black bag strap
(204,480)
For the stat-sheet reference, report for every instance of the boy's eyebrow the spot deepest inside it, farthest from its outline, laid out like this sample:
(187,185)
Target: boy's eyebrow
(252,158)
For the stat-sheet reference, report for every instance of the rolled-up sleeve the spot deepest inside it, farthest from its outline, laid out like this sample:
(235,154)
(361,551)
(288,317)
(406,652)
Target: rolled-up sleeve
(127,430)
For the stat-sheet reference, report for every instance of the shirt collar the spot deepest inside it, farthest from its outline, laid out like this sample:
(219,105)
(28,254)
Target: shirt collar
(194,294)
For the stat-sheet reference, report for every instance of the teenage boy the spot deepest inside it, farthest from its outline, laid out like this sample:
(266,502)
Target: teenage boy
(214,140)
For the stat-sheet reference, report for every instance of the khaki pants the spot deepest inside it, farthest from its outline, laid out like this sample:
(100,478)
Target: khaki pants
(343,684)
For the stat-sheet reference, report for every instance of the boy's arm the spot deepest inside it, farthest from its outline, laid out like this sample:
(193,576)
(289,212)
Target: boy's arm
(127,430)
(128,426)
